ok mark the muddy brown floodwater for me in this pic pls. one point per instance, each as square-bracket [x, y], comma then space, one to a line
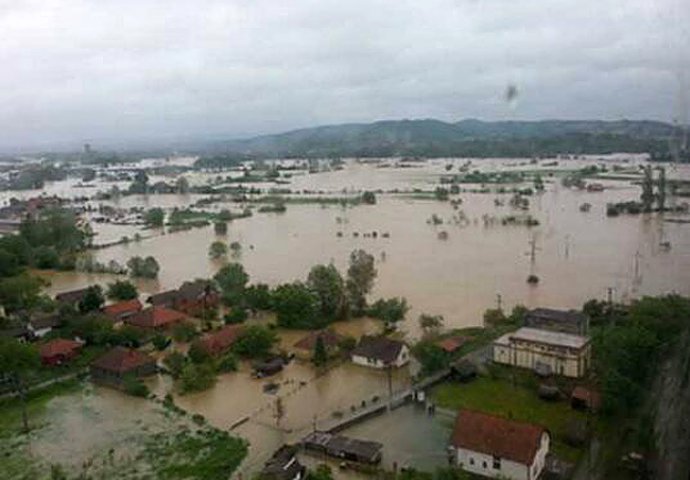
[577, 256]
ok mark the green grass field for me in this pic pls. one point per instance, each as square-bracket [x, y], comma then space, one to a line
[500, 397]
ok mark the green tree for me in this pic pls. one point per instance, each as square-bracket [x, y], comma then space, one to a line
[143, 267]
[175, 362]
[154, 217]
[221, 228]
[45, 257]
[236, 315]
[93, 328]
[227, 363]
[258, 297]
[182, 185]
[217, 250]
[360, 280]
[518, 314]
[135, 387]
[9, 264]
[93, 299]
[431, 357]
[232, 280]
[320, 356]
[430, 323]
[16, 360]
[197, 377]
[321, 472]
[494, 317]
[297, 306]
[21, 292]
[184, 332]
[122, 290]
[255, 341]
[328, 285]
[198, 354]
[369, 198]
[390, 310]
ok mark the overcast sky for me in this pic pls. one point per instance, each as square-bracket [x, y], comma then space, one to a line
[103, 71]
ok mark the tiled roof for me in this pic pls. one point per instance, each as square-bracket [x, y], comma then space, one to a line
[58, 346]
[125, 306]
[163, 298]
[492, 435]
[122, 360]
[219, 341]
[330, 340]
[451, 344]
[154, 317]
[73, 296]
[379, 348]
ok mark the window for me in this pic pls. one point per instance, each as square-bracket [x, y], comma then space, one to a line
[497, 463]
[483, 464]
[471, 461]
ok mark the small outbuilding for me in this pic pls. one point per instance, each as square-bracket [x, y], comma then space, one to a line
[283, 465]
[268, 367]
[584, 398]
[452, 344]
[42, 324]
[345, 448]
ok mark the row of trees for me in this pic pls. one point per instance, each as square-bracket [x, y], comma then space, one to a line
[324, 297]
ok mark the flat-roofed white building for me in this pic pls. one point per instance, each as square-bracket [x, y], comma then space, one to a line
[544, 351]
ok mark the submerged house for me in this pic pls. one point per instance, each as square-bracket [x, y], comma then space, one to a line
[119, 363]
[304, 348]
[120, 311]
[155, 318]
[283, 465]
[565, 321]
[58, 351]
[192, 298]
[72, 297]
[544, 351]
[42, 324]
[218, 342]
[345, 448]
[380, 352]
[497, 447]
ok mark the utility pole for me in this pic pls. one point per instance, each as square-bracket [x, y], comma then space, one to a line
[567, 246]
[498, 301]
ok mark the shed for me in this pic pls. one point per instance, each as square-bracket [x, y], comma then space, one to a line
[452, 344]
[268, 367]
[283, 465]
[71, 297]
[585, 398]
[338, 446]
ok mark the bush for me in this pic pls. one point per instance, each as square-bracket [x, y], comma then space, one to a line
[175, 362]
[196, 378]
[143, 267]
[197, 354]
[160, 342]
[236, 315]
[255, 341]
[122, 290]
[227, 363]
[184, 332]
[135, 387]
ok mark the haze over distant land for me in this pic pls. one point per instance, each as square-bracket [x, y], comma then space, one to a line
[149, 73]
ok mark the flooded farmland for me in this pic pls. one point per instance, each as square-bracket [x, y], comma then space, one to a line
[578, 255]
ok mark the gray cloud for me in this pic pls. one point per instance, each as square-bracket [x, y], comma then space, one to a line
[117, 70]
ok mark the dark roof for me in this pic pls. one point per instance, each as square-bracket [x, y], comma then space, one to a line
[379, 348]
[73, 296]
[155, 317]
[196, 289]
[562, 316]
[45, 320]
[492, 435]
[15, 332]
[329, 337]
[283, 465]
[163, 298]
[338, 445]
[122, 360]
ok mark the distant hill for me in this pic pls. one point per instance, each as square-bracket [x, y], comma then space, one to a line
[476, 138]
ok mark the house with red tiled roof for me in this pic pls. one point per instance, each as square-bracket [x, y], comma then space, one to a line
[120, 362]
[58, 351]
[120, 311]
[497, 447]
[155, 318]
[218, 342]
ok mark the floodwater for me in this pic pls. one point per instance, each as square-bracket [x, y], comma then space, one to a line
[577, 256]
